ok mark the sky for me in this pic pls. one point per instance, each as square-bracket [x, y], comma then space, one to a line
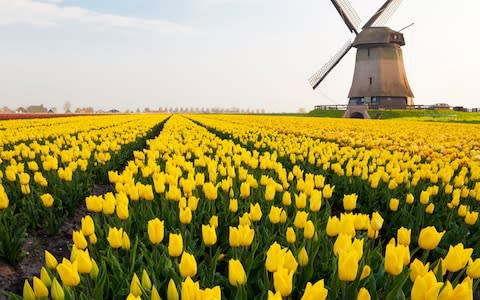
[255, 54]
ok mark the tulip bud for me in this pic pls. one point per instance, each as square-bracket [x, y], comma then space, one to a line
[236, 273]
[172, 293]
[403, 236]
[303, 257]
[188, 265]
[57, 290]
[290, 235]
[156, 231]
[363, 294]
[209, 235]
[175, 244]
[39, 288]
[50, 260]
[146, 282]
[28, 293]
[393, 204]
[88, 226]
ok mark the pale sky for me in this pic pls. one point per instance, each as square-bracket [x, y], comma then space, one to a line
[253, 54]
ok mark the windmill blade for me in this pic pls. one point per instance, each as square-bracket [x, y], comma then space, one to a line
[348, 14]
[323, 72]
[384, 13]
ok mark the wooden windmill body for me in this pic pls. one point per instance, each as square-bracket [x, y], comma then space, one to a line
[379, 79]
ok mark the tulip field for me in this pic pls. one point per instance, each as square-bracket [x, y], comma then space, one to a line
[244, 207]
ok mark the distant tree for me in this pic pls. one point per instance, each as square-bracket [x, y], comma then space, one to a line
[146, 109]
[67, 106]
[302, 110]
[137, 110]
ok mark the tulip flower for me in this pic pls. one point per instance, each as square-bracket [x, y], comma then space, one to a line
[327, 191]
[68, 273]
[50, 260]
[244, 190]
[363, 294]
[290, 235]
[28, 293]
[429, 238]
[146, 282]
[348, 265]
[56, 290]
[457, 258]
[236, 273]
[303, 257]
[135, 286]
[309, 230]
[300, 220]
[209, 235]
[269, 192]
[115, 237]
[47, 200]
[403, 236]
[246, 235]
[272, 296]
[286, 199]
[316, 291]
[350, 202]
[175, 244]
[210, 191]
[83, 261]
[172, 292]
[409, 199]
[301, 201]
[274, 215]
[79, 240]
[333, 226]
[88, 226]
[471, 218]
[425, 287]
[365, 272]
[188, 265]
[156, 231]
[233, 205]
[283, 281]
[393, 259]
[125, 241]
[39, 288]
[393, 204]
[376, 221]
[473, 269]
[255, 212]
[185, 215]
[45, 277]
[417, 268]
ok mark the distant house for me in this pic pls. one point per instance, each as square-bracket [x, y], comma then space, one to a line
[114, 111]
[20, 110]
[6, 110]
[37, 109]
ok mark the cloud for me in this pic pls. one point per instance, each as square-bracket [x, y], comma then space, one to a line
[51, 14]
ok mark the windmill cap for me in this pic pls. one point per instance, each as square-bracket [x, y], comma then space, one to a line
[378, 36]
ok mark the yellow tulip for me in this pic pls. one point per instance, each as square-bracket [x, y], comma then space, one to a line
[155, 295]
[28, 293]
[316, 291]
[363, 294]
[47, 200]
[348, 265]
[146, 282]
[393, 259]
[300, 219]
[283, 281]
[425, 287]
[156, 231]
[333, 226]
[350, 202]
[269, 192]
[290, 235]
[471, 218]
[255, 212]
[429, 238]
[236, 273]
[210, 191]
[83, 261]
[45, 277]
[233, 205]
[125, 241]
[376, 221]
[50, 260]
[172, 292]
[457, 258]
[79, 240]
[246, 235]
[393, 204]
[429, 209]
[327, 191]
[39, 288]
[365, 272]
[188, 265]
[135, 286]
[403, 236]
[115, 237]
[301, 201]
[175, 244]
[303, 257]
[88, 226]
[272, 296]
[417, 268]
[309, 230]
[209, 235]
[274, 215]
[213, 221]
[68, 273]
[473, 269]
[287, 199]
[56, 290]
[185, 215]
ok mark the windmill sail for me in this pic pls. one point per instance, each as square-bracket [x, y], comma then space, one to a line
[323, 72]
[383, 14]
[348, 14]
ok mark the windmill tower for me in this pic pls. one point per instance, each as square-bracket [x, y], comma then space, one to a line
[379, 79]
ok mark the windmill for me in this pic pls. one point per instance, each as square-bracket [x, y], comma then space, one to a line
[379, 79]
